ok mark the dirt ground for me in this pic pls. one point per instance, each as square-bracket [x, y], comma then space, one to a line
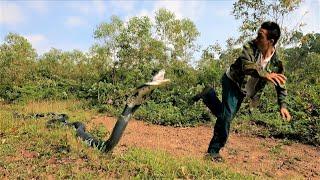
[259, 156]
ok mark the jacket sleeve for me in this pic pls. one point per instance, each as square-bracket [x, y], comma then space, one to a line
[281, 89]
[248, 63]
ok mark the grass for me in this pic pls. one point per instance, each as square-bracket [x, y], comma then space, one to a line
[28, 149]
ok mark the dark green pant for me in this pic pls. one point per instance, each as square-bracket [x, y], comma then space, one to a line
[231, 100]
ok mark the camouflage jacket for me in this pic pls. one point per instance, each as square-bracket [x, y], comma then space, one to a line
[245, 66]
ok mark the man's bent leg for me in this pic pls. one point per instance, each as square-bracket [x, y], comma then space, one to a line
[211, 100]
[231, 101]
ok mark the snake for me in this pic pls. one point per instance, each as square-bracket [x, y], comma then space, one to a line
[133, 102]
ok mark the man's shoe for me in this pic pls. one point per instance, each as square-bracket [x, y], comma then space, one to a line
[215, 157]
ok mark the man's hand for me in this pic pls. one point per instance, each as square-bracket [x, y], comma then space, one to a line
[275, 78]
[285, 114]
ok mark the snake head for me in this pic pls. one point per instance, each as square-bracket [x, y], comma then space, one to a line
[158, 79]
[144, 91]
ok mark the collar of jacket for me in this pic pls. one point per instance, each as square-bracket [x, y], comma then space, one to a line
[273, 61]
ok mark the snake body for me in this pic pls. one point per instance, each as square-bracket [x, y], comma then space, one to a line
[139, 96]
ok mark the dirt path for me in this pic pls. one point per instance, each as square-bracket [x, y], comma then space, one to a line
[259, 156]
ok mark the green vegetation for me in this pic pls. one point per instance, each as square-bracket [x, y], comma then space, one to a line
[28, 149]
[127, 54]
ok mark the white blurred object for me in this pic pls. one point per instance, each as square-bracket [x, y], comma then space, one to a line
[159, 75]
[158, 79]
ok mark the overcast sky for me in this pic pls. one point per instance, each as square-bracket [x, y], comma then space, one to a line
[68, 25]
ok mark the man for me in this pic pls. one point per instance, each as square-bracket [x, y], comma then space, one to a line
[247, 76]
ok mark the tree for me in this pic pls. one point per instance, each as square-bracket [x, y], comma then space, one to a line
[301, 58]
[108, 33]
[182, 34]
[17, 58]
[134, 42]
[129, 44]
[253, 12]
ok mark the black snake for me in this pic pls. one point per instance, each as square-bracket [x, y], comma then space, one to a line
[139, 96]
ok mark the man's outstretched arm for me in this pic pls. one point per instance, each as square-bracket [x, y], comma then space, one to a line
[279, 80]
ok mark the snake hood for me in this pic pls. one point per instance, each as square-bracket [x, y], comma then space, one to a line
[158, 79]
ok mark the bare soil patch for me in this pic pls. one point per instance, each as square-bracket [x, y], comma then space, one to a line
[243, 153]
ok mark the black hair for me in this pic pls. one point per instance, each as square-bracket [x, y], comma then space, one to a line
[273, 30]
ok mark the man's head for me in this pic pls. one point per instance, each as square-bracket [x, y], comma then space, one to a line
[268, 34]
